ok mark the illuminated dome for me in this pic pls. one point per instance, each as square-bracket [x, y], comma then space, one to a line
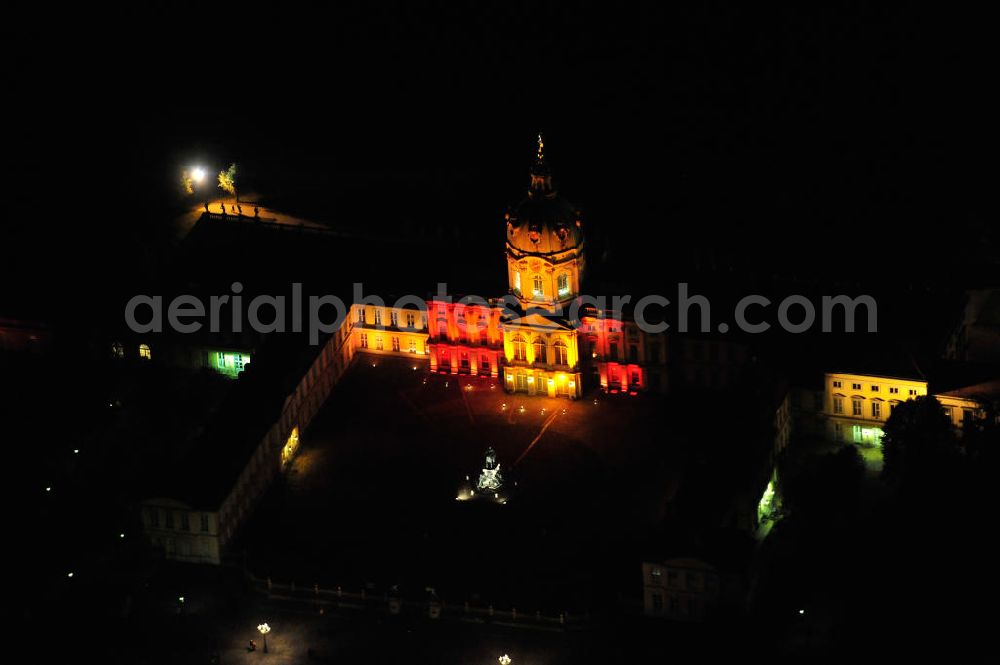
[544, 222]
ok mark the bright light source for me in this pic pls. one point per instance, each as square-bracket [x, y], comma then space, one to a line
[121, 535]
[180, 599]
[48, 489]
[264, 629]
[505, 659]
[76, 451]
[802, 611]
[198, 174]
[69, 575]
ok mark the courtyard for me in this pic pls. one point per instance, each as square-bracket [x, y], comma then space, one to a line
[371, 500]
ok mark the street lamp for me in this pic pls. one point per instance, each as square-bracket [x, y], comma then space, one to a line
[198, 174]
[264, 630]
[504, 659]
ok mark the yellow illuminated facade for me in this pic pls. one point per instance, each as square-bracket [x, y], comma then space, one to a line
[291, 447]
[531, 347]
[856, 406]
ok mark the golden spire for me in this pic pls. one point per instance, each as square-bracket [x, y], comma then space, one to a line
[541, 147]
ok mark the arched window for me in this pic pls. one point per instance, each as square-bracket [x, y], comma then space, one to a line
[117, 350]
[145, 352]
[540, 355]
[563, 284]
[520, 348]
[538, 287]
[560, 351]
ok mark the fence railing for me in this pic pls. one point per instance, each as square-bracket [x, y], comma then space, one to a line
[432, 607]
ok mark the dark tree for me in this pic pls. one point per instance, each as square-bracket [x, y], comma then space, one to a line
[919, 443]
[825, 486]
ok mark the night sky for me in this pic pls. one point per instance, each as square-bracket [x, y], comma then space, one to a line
[854, 137]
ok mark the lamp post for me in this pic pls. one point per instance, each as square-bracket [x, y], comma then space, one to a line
[264, 630]
[198, 178]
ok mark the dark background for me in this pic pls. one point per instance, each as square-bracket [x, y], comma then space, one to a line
[850, 148]
[850, 142]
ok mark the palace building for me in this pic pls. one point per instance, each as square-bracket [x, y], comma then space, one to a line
[858, 405]
[526, 341]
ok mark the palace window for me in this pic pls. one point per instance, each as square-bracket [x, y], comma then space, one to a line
[947, 412]
[413, 345]
[876, 409]
[117, 350]
[145, 352]
[540, 354]
[837, 384]
[361, 314]
[635, 378]
[838, 404]
[893, 391]
[364, 340]
[563, 284]
[874, 389]
[856, 407]
[394, 318]
[537, 288]
[395, 344]
[204, 522]
[463, 360]
[520, 348]
[913, 392]
[378, 317]
[560, 352]
[168, 519]
[484, 363]
[484, 336]
[613, 351]
[855, 386]
[185, 522]
[410, 321]
[378, 342]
